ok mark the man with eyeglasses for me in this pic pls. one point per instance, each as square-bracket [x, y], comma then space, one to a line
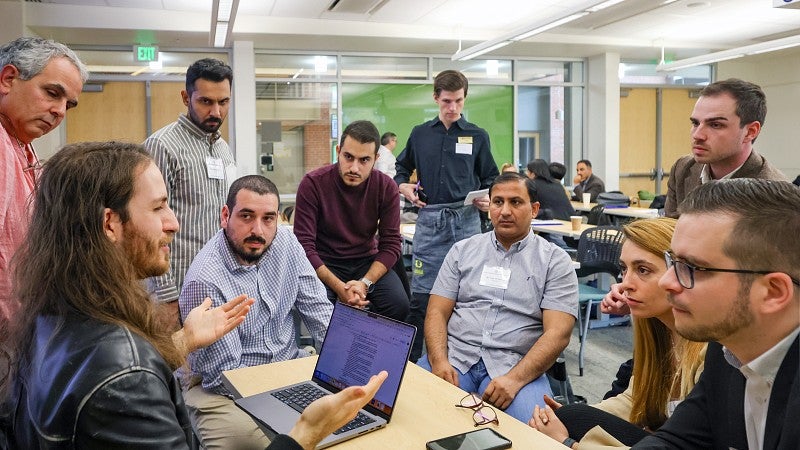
[734, 280]
[503, 306]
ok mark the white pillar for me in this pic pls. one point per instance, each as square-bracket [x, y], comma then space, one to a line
[603, 118]
[244, 142]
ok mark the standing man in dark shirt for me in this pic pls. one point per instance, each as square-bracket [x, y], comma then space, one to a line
[452, 157]
[339, 209]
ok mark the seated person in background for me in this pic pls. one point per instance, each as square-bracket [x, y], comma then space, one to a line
[586, 181]
[666, 366]
[549, 192]
[93, 365]
[340, 207]
[250, 255]
[503, 306]
[558, 171]
[508, 167]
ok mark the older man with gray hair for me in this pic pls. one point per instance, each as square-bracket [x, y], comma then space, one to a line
[39, 81]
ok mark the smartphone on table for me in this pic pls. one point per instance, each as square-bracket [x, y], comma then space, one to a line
[483, 439]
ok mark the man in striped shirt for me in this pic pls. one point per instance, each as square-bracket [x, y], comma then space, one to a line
[198, 167]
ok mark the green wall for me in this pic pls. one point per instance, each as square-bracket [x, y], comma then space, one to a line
[400, 107]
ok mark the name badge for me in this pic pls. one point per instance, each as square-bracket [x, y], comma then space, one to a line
[496, 277]
[215, 168]
[464, 149]
[465, 139]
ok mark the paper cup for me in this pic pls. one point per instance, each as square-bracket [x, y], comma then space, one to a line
[576, 222]
[587, 198]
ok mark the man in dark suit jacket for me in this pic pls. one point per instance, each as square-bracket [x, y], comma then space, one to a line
[746, 299]
[586, 182]
[726, 121]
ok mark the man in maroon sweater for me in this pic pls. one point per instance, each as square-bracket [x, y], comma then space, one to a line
[339, 209]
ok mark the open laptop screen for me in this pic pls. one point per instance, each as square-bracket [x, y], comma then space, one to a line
[350, 355]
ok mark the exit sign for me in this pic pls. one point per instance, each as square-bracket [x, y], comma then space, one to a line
[145, 52]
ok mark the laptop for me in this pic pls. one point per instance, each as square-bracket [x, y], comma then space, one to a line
[357, 345]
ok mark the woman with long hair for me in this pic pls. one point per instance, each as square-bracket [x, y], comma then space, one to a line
[666, 366]
[553, 204]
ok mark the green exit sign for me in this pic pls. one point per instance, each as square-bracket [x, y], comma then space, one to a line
[145, 52]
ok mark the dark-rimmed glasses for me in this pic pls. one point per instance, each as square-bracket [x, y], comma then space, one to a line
[481, 413]
[684, 271]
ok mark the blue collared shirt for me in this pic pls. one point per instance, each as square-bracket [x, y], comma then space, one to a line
[501, 325]
[281, 280]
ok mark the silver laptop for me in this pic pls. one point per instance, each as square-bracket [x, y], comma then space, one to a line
[358, 344]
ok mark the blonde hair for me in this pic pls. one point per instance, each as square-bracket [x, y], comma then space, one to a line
[661, 367]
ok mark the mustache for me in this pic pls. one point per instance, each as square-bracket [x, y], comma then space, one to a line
[256, 239]
[357, 175]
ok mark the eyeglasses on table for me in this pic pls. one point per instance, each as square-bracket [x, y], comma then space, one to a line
[482, 413]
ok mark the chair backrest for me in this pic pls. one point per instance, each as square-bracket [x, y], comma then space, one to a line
[597, 216]
[598, 251]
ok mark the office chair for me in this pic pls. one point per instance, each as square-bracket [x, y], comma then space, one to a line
[598, 252]
[597, 216]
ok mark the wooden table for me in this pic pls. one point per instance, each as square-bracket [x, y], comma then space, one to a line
[630, 211]
[425, 408]
[562, 228]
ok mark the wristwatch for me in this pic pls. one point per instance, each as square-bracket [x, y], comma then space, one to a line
[568, 442]
[369, 283]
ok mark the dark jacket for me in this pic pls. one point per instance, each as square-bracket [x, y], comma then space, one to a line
[712, 416]
[552, 200]
[685, 177]
[593, 185]
[90, 384]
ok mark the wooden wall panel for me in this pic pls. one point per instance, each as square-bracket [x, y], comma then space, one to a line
[117, 113]
[676, 138]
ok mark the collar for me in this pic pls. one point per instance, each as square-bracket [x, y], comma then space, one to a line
[705, 174]
[767, 364]
[461, 122]
[515, 247]
[192, 128]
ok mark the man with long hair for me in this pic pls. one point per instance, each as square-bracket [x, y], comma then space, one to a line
[92, 366]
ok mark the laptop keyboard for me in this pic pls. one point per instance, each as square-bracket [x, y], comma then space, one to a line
[298, 397]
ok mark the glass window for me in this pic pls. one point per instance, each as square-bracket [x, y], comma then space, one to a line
[295, 66]
[297, 127]
[550, 71]
[645, 73]
[387, 68]
[496, 70]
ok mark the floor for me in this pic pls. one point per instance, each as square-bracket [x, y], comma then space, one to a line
[605, 349]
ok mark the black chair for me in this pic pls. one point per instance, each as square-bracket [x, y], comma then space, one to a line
[597, 216]
[598, 252]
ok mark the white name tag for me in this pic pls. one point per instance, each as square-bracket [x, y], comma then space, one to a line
[464, 149]
[496, 277]
[215, 168]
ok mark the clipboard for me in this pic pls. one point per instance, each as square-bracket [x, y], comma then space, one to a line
[475, 194]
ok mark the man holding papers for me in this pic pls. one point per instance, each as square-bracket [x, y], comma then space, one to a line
[452, 157]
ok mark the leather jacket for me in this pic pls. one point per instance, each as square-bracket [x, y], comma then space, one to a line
[91, 384]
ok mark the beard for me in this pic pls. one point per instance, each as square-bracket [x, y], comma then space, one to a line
[145, 254]
[210, 125]
[738, 317]
[247, 255]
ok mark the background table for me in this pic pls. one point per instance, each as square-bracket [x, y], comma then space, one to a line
[425, 408]
[563, 228]
[630, 211]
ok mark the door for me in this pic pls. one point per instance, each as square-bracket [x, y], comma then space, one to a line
[654, 132]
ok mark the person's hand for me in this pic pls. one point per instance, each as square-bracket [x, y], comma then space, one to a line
[325, 415]
[353, 293]
[577, 179]
[446, 372]
[408, 190]
[501, 391]
[205, 325]
[614, 302]
[482, 203]
[551, 403]
[545, 421]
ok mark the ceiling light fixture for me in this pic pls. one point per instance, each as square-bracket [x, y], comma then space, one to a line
[223, 14]
[530, 30]
[724, 55]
